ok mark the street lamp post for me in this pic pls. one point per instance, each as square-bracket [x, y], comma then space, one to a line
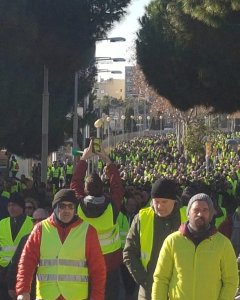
[132, 118]
[45, 113]
[108, 119]
[140, 124]
[115, 130]
[98, 124]
[148, 120]
[160, 119]
[123, 125]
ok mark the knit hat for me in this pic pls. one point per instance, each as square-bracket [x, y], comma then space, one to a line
[18, 199]
[164, 188]
[201, 197]
[64, 195]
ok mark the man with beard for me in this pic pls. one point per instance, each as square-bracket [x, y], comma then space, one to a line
[196, 262]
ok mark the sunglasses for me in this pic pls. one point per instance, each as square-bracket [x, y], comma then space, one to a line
[65, 206]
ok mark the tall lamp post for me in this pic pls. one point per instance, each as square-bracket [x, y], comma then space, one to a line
[108, 119]
[115, 130]
[160, 119]
[45, 113]
[148, 120]
[140, 124]
[98, 124]
[132, 118]
[123, 125]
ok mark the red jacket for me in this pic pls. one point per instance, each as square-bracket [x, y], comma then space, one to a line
[226, 227]
[113, 260]
[31, 255]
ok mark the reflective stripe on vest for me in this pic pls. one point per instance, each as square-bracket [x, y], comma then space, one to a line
[8, 246]
[62, 267]
[108, 233]
[51, 277]
[146, 218]
[63, 262]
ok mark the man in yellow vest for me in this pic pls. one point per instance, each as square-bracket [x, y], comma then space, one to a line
[148, 230]
[68, 172]
[196, 262]
[14, 167]
[12, 229]
[101, 211]
[67, 254]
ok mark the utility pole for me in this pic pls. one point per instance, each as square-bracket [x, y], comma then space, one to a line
[45, 113]
[75, 116]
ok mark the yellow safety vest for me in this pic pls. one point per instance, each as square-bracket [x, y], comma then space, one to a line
[108, 232]
[62, 267]
[55, 172]
[183, 214]
[146, 218]
[123, 227]
[69, 170]
[7, 245]
[219, 220]
[14, 166]
[6, 194]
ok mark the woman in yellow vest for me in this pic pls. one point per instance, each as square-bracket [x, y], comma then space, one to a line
[67, 254]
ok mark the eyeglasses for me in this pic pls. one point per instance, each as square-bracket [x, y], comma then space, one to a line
[65, 206]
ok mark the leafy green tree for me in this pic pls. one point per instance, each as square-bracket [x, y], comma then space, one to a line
[189, 52]
[61, 35]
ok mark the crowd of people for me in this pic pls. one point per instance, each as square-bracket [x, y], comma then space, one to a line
[146, 225]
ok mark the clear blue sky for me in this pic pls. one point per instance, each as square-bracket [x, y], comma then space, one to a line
[126, 28]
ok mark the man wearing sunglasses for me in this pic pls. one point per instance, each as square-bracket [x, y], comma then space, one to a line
[67, 254]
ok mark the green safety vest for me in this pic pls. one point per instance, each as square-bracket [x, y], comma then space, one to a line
[123, 227]
[62, 267]
[6, 194]
[183, 214]
[7, 245]
[108, 232]
[219, 220]
[61, 173]
[55, 172]
[69, 170]
[146, 218]
[14, 166]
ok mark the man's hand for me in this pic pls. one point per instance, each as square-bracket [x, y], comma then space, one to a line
[24, 296]
[87, 153]
[104, 156]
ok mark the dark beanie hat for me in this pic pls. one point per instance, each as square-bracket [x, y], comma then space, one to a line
[18, 199]
[201, 197]
[164, 188]
[64, 195]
